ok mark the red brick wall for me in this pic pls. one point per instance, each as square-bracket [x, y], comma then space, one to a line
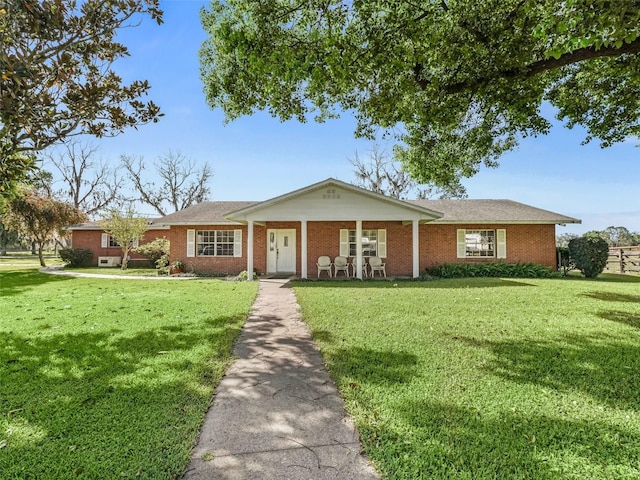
[438, 244]
[525, 243]
[92, 240]
[324, 239]
[217, 265]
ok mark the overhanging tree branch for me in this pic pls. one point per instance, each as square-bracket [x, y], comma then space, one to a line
[425, 67]
[536, 68]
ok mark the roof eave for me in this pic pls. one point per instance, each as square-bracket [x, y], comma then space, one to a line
[508, 222]
[98, 228]
[203, 222]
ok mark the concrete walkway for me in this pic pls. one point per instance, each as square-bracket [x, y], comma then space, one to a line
[57, 270]
[277, 414]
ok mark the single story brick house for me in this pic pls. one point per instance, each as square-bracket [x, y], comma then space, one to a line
[287, 234]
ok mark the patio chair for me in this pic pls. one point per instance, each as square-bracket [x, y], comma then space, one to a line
[376, 265]
[324, 264]
[365, 268]
[341, 264]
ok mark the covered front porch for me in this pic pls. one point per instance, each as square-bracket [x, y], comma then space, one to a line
[331, 218]
[295, 247]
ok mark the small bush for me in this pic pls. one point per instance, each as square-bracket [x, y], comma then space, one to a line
[243, 276]
[565, 262]
[494, 269]
[162, 263]
[76, 257]
[590, 254]
[155, 251]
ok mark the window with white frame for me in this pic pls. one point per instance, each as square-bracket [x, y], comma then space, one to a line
[109, 242]
[374, 243]
[215, 243]
[369, 243]
[483, 243]
[480, 243]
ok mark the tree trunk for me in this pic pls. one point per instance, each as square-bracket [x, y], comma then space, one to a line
[33, 247]
[125, 253]
[3, 240]
[41, 256]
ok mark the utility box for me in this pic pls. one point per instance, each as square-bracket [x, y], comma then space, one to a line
[109, 261]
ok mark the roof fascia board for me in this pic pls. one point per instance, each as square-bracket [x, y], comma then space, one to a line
[507, 222]
[203, 222]
[97, 228]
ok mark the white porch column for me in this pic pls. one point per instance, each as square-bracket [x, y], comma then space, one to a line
[250, 250]
[359, 249]
[416, 250]
[303, 248]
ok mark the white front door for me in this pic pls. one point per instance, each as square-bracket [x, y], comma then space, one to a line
[281, 251]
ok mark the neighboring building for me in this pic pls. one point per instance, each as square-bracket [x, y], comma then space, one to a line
[287, 234]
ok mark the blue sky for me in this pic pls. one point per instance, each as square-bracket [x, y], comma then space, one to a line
[259, 157]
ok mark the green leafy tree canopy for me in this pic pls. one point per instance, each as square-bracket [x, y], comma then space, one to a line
[459, 82]
[56, 76]
[126, 228]
[618, 236]
[40, 217]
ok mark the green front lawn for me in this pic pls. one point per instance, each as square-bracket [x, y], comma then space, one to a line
[116, 271]
[105, 378]
[26, 258]
[487, 378]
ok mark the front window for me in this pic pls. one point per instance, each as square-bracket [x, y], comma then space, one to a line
[113, 242]
[480, 243]
[369, 243]
[215, 243]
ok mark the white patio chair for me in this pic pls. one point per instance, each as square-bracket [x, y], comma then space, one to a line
[376, 265]
[365, 268]
[341, 264]
[324, 264]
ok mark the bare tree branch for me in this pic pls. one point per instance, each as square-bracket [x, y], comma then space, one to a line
[182, 182]
[90, 186]
[134, 167]
[381, 174]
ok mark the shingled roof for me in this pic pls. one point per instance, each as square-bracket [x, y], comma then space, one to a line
[454, 211]
[491, 211]
[90, 225]
[205, 213]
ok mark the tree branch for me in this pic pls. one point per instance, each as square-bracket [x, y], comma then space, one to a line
[536, 68]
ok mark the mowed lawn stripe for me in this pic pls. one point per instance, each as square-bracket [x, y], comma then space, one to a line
[105, 378]
[487, 378]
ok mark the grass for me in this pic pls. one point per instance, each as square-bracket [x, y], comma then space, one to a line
[487, 378]
[117, 271]
[109, 379]
[24, 258]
